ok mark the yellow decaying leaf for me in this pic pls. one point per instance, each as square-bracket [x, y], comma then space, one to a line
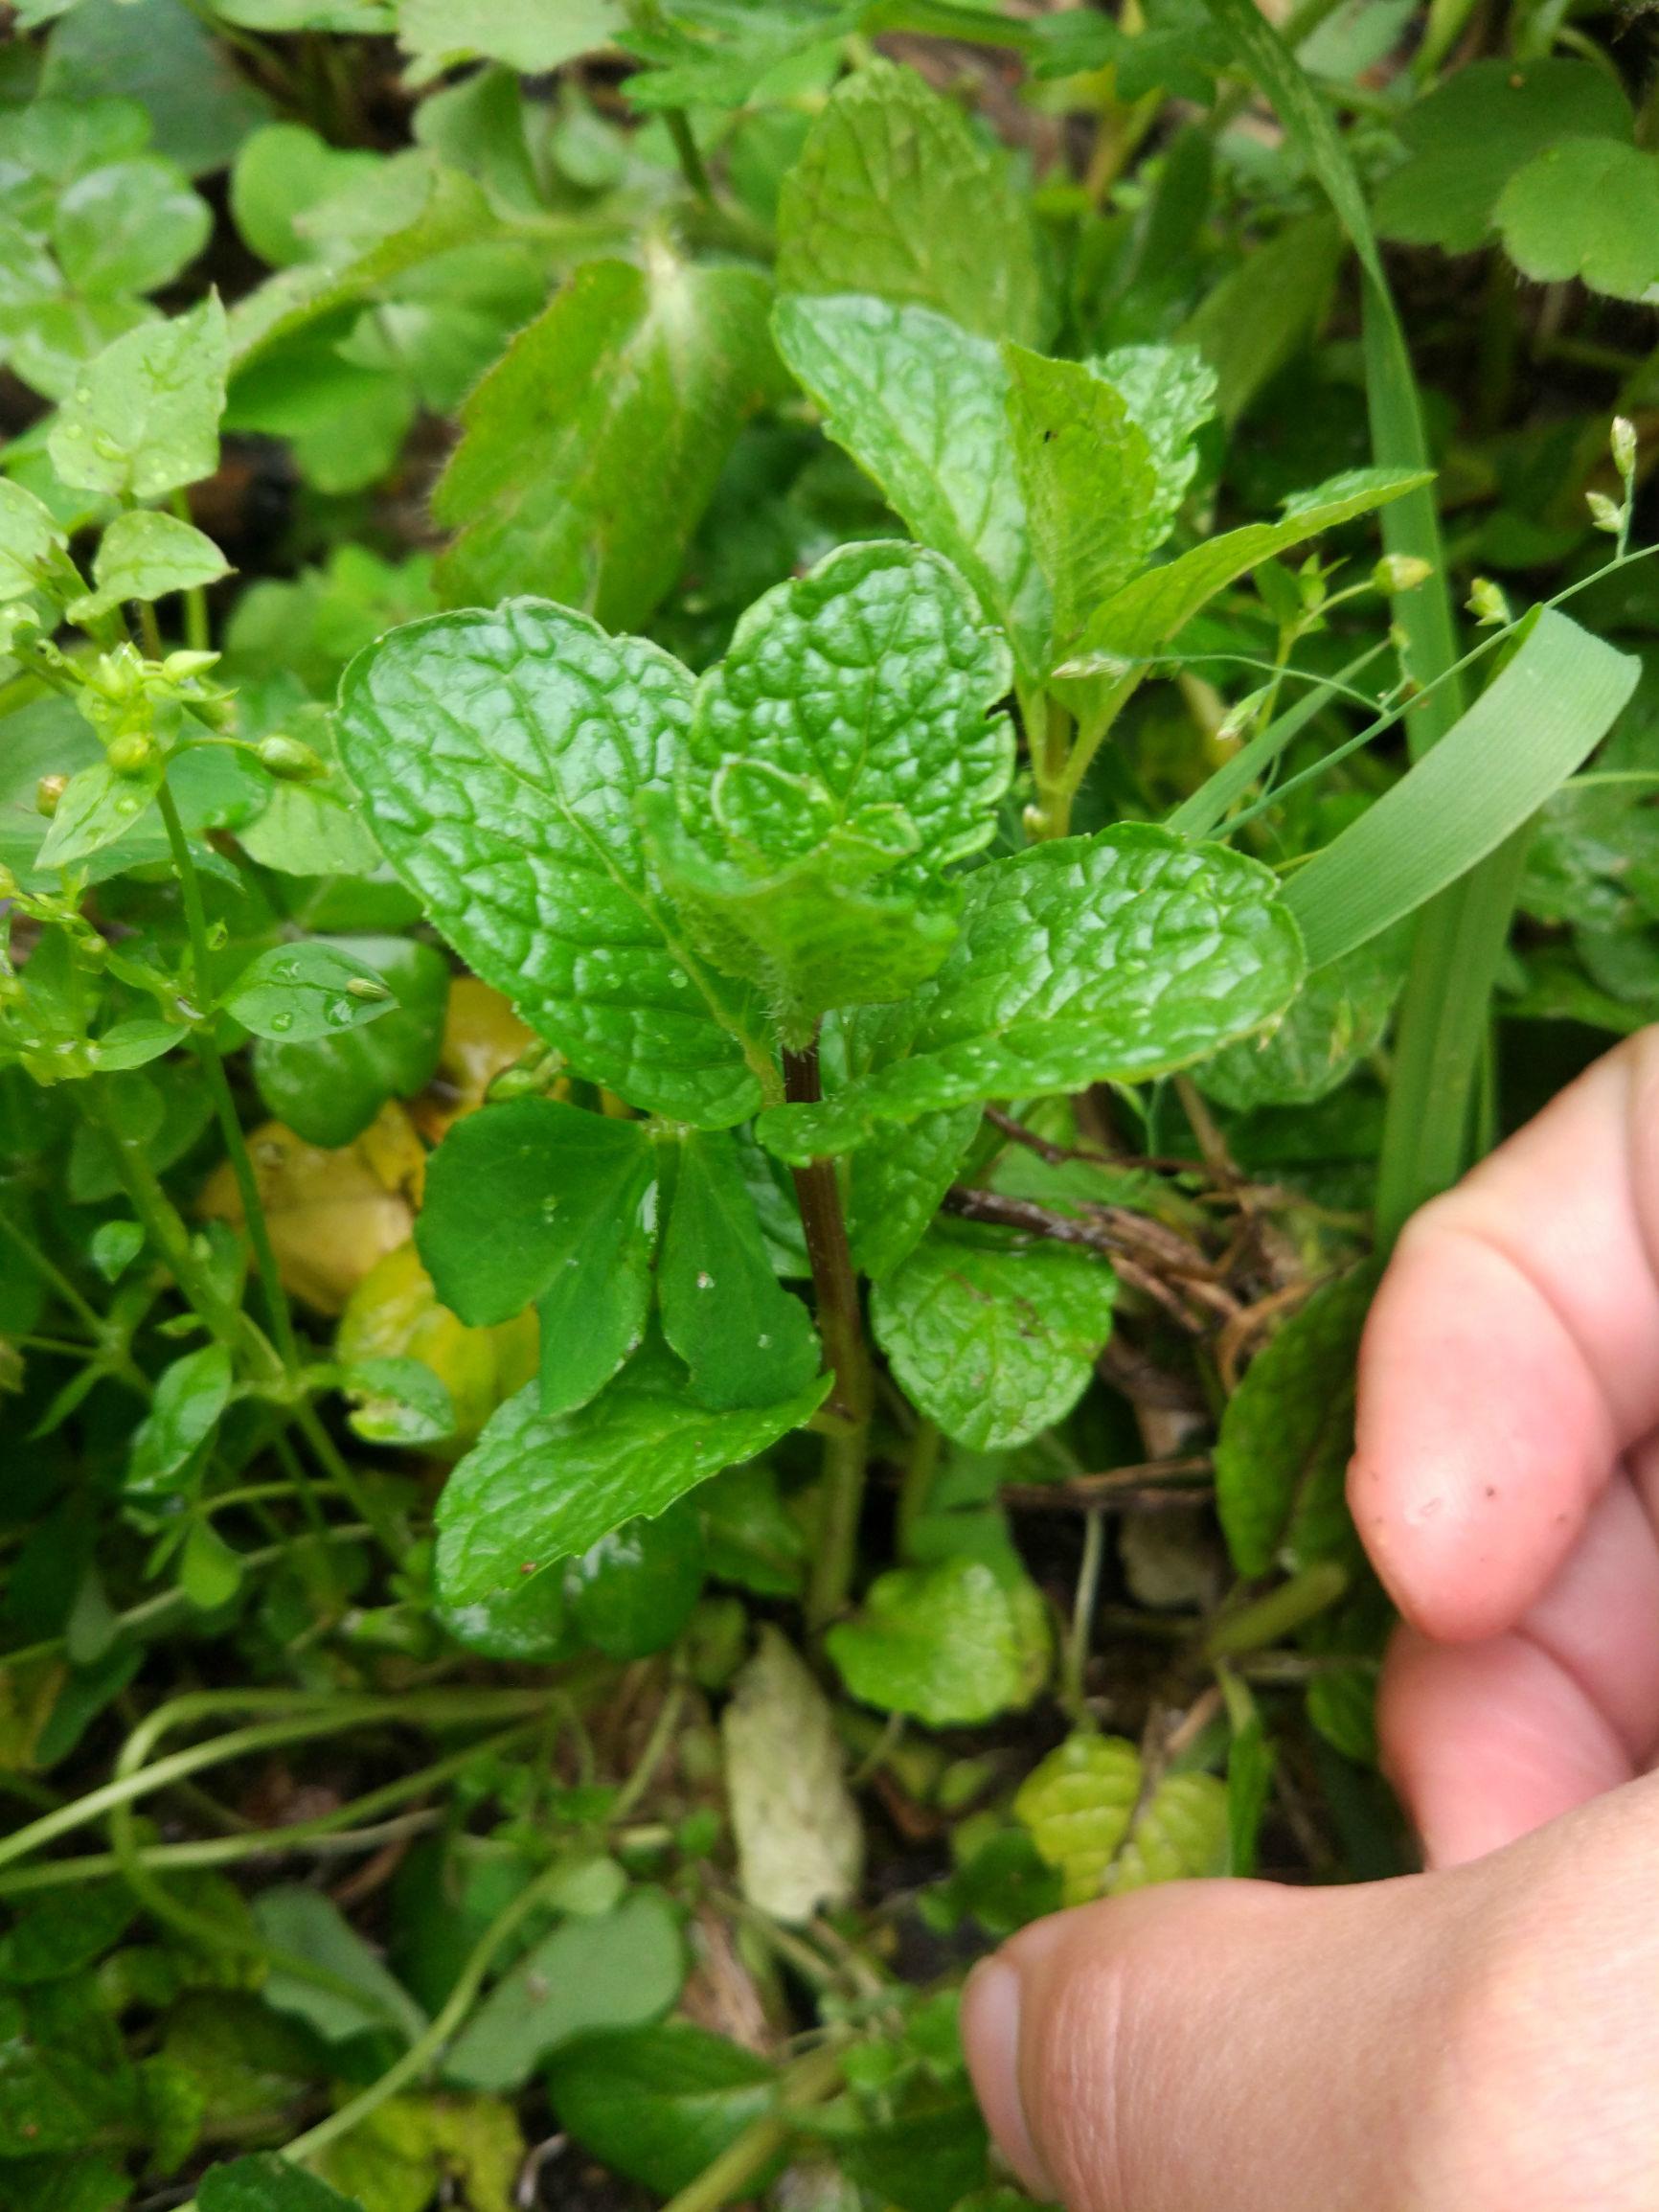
[482, 1035]
[394, 1313]
[333, 1214]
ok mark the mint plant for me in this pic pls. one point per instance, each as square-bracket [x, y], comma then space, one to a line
[752, 841]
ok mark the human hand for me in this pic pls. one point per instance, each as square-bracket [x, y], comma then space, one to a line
[1485, 2035]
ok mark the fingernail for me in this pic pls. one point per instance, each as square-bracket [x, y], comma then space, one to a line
[990, 2006]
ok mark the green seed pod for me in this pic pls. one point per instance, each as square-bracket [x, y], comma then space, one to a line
[1398, 572]
[290, 760]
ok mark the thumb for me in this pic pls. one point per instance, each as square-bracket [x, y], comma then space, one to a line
[1217, 2047]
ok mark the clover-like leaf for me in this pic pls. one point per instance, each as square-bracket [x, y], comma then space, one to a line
[896, 193]
[993, 1341]
[534, 1201]
[535, 1490]
[949, 1645]
[921, 404]
[1480, 125]
[128, 226]
[501, 758]
[1114, 957]
[142, 419]
[746, 1340]
[1585, 207]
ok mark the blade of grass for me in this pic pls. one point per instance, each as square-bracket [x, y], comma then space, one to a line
[1460, 937]
[1466, 799]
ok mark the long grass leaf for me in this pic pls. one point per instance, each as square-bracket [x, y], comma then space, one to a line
[1537, 723]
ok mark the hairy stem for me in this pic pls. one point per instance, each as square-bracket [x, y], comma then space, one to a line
[835, 1282]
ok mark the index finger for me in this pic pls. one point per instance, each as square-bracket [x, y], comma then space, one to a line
[1511, 1353]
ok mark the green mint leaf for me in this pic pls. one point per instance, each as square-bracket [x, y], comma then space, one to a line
[871, 682]
[898, 1181]
[1287, 1435]
[1469, 136]
[839, 755]
[98, 806]
[660, 2104]
[920, 406]
[129, 227]
[1134, 623]
[593, 447]
[30, 534]
[746, 1340]
[329, 1088]
[1170, 391]
[948, 1644]
[1585, 207]
[265, 2182]
[535, 1201]
[1335, 1020]
[189, 1399]
[501, 758]
[1107, 958]
[143, 419]
[608, 1969]
[534, 1490]
[144, 556]
[1087, 470]
[993, 1341]
[896, 193]
[295, 993]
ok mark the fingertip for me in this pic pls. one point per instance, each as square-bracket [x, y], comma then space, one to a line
[991, 2004]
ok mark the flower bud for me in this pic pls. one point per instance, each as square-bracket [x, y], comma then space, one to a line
[1487, 603]
[178, 666]
[1605, 512]
[47, 793]
[290, 760]
[131, 753]
[1397, 572]
[1622, 442]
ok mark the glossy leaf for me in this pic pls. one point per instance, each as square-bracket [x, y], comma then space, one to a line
[536, 1490]
[920, 406]
[144, 556]
[616, 1970]
[128, 226]
[1338, 1016]
[632, 1592]
[190, 1397]
[1135, 622]
[949, 1645]
[534, 1202]
[898, 1181]
[746, 1340]
[143, 419]
[329, 1088]
[1113, 957]
[1287, 1434]
[265, 2182]
[1091, 492]
[896, 193]
[591, 449]
[501, 758]
[995, 1342]
[99, 805]
[298, 993]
